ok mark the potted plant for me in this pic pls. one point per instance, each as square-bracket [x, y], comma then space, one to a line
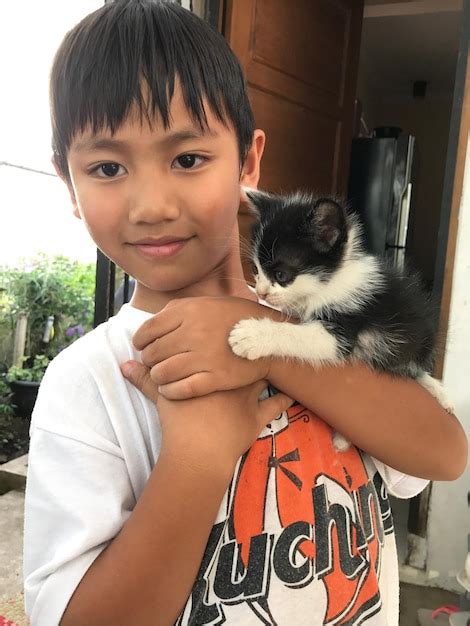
[14, 431]
[24, 383]
[56, 296]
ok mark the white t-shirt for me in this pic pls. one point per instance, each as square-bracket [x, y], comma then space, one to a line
[304, 535]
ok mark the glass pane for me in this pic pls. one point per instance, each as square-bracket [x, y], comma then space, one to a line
[209, 10]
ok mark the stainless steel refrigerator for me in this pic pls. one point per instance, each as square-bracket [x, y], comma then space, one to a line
[381, 190]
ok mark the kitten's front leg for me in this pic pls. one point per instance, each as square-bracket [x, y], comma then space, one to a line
[311, 341]
[436, 388]
[256, 338]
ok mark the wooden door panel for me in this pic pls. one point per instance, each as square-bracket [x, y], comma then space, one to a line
[297, 141]
[300, 59]
[283, 41]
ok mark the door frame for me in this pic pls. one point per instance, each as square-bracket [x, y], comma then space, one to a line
[459, 133]
[453, 185]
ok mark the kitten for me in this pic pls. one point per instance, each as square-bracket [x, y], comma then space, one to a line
[311, 263]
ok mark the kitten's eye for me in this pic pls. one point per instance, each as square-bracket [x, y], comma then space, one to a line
[281, 277]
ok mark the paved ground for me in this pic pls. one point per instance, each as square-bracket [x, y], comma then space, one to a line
[11, 544]
[412, 597]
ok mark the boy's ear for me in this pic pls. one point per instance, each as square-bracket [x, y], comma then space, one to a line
[258, 202]
[251, 168]
[61, 175]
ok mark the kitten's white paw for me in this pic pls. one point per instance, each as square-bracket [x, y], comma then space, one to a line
[447, 404]
[436, 388]
[340, 443]
[251, 339]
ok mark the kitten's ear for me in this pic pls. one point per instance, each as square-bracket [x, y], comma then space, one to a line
[327, 224]
[257, 201]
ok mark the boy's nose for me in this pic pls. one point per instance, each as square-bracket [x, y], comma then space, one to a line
[150, 203]
[152, 212]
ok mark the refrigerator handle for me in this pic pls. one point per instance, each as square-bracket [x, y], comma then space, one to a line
[402, 230]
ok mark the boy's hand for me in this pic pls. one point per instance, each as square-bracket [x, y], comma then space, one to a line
[186, 346]
[212, 431]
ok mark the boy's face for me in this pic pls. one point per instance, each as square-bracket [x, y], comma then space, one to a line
[177, 183]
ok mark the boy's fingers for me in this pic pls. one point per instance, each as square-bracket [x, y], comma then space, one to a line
[259, 386]
[157, 326]
[139, 376]
[195, 386]
[270, 408]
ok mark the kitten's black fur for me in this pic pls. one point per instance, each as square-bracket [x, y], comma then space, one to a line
[303, 234]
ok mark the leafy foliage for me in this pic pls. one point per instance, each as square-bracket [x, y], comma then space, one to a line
[6, 409]
[34, 373]
[47, 286]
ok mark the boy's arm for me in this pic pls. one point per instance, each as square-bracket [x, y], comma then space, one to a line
[145, 575]
[393, 419]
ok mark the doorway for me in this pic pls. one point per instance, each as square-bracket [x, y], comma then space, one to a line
[407, 79]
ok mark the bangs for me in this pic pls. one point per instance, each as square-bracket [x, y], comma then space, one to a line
[130, 54]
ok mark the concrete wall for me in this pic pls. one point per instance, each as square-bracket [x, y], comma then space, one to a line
[449, 515]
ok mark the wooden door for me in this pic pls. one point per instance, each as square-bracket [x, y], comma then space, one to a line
[300, 58]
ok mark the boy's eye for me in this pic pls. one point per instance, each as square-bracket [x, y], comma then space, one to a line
[187, 161]
[106, 170]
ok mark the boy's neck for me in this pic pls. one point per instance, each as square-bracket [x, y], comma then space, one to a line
[215, 286]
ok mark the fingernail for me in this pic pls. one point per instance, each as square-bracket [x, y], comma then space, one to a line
[126, 368]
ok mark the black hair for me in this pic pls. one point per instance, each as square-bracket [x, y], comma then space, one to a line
[99, 69]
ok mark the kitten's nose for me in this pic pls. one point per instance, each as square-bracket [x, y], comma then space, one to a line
[262, 294]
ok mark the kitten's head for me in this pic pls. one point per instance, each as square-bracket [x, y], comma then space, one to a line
[299, 243]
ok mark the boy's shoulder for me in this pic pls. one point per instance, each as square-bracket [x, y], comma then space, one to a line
[85, 376]
[74, 367]
[86, 347]
[83, 389]
[102, 349]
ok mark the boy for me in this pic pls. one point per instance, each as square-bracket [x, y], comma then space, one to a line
[178, 494]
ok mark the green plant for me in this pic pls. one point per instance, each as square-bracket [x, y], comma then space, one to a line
[34, 373]
[6, 410]
[49, 286]
[5, 391]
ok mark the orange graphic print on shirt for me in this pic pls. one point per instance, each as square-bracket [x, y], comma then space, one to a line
[300, 518]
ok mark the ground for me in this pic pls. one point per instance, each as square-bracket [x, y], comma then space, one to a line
[14, 437]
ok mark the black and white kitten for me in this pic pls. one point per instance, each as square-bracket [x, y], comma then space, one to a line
[311, 263]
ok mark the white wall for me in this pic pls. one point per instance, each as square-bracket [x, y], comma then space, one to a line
[449, 515]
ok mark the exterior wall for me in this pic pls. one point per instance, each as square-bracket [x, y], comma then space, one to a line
[449, 514]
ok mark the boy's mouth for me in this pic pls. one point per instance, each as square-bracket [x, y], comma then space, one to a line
[162, 247]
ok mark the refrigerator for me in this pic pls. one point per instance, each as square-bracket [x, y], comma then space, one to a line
[380, 190]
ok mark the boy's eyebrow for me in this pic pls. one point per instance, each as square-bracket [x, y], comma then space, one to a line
[171, 139]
